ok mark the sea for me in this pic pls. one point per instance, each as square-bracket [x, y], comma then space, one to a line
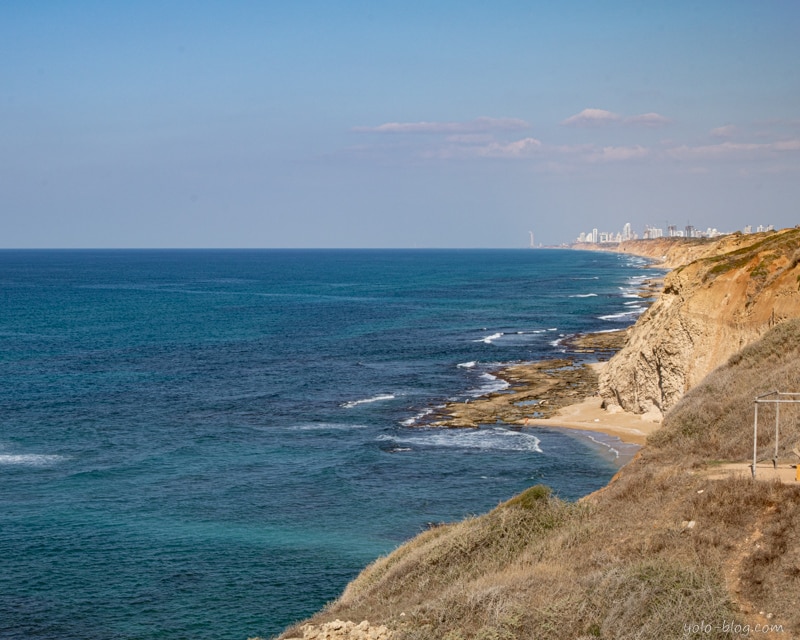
[211, 443]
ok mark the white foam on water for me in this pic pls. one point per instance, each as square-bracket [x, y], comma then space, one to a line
[617, 316]
[490, 339]
[492, 384]
[583, 295]
[467, 365]
[492, 439]
[326, 426]
[619, 450]
[381, 397]
[29, 459]
[413, 420]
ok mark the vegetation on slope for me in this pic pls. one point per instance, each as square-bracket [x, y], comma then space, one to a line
[663, 548]
[714, 421]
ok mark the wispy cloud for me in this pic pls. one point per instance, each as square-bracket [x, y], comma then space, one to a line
[472, 147]
[478, 125]
[735, 149]
[487, 139]
[601, 118]
[728, 131]
[592, 118]
[651, 119]
[618, 154]
[517, 149]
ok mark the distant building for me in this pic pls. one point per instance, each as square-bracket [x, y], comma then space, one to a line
[653, 232]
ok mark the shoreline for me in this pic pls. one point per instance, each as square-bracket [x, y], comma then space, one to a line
[561, 393]
[549, 393]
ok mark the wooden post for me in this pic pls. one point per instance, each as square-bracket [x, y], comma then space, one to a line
[755, 440]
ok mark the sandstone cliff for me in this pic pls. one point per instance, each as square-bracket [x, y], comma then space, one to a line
[740, 286]
[672, 253]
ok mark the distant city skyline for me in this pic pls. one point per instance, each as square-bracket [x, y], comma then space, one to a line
[671, 231]
[410, 124]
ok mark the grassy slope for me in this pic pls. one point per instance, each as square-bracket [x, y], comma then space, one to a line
[622, 563]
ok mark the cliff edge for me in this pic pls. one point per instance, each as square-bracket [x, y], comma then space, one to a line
[710, 308]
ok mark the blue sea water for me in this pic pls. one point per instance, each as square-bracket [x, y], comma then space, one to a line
[211, 444]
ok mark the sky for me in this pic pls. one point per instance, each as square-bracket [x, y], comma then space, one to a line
[393, 124]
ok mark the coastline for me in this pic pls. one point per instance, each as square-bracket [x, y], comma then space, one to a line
[666, 512]
[550, 393]
[589, 415]
[557, 393]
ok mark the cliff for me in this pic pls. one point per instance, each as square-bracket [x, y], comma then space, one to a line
[672, 253]
[667, 546]
[673, 542]
[729, 294]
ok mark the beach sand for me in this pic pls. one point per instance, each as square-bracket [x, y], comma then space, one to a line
[588, 415]
[553, 393]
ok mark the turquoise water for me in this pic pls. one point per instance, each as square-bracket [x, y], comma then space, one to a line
[210, 444]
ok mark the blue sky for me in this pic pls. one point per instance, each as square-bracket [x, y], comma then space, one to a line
[393, 124]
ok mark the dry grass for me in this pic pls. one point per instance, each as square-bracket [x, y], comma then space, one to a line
[661, 547]
[714, 421]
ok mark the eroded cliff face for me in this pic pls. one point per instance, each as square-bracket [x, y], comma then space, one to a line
[709, 309]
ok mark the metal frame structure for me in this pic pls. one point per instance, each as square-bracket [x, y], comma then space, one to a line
[777, 398]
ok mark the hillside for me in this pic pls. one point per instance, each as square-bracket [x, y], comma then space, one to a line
[709, 309]
[664, 547]
[676, 252]
[676, 539]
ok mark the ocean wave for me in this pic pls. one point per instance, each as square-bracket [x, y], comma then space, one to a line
[628, 292]
[489, 339]
[509, 338]
[493, 439]
[620, 450]
[583, 295]
[414, 419]
[491, 384]
[29, 459]
[467, 365]
[326, 426]
[624, 314]
[378, 398]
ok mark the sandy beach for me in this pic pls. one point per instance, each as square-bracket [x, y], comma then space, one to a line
[588, 415]
[554, 393]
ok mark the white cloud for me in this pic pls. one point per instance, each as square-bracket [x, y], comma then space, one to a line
[735, 149]
[478, 125]
[592, 118]
[617, 154]
[651, 119]
[485, 149]
[601, 117]
[723, 132]
[515, 149]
